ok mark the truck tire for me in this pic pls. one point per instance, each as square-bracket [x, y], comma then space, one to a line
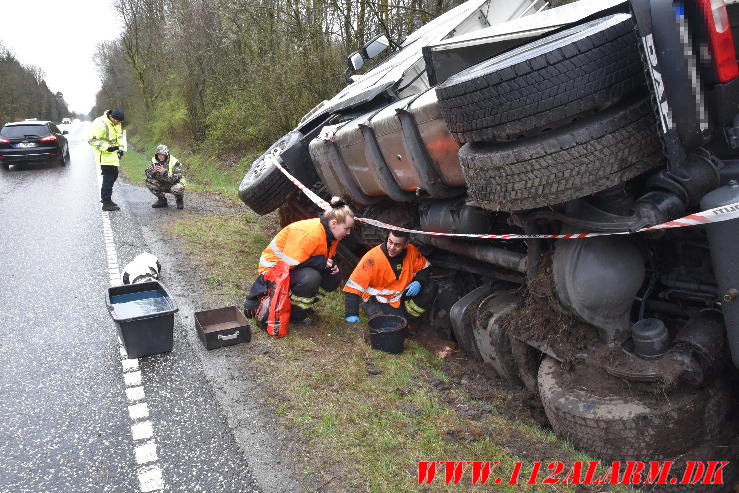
[638, 427]
[717, 451]
[264, 187]
[587, 157]
[544, 84]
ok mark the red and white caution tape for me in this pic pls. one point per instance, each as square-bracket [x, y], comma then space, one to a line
[311, 195]
[715, 215]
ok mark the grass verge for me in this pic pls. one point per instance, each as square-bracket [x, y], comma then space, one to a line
[362, 418]
[201, 172]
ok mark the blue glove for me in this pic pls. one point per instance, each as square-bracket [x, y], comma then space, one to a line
[413, 288]
[352, 318]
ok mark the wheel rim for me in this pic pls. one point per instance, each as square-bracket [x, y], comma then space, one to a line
[260, 164]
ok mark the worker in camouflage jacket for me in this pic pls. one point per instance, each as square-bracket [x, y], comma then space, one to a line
[164, 175]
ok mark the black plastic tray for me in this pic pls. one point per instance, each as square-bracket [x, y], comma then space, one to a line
[222, 327]
[144, 316]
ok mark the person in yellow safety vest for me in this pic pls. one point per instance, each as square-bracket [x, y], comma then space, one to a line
[391, 279]
[106, 138]
[164, 175]
[308, 248]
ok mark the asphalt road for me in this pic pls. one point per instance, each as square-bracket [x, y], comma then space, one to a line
[75, 414]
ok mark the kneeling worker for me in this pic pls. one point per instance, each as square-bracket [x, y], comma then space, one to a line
[164, 174]
[391, 273]
[308, 248]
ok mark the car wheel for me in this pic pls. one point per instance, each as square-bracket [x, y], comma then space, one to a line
[544, 84]
[587, 157]
[615, 422]
[264, 187]
[64, 157]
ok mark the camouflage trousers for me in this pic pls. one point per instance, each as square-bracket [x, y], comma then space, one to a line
[159, 188]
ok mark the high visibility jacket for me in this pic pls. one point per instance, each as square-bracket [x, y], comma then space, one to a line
[103, 134]
[296, 243]
[174, 170]
[374, 276]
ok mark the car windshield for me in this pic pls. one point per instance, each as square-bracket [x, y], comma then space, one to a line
[19, 131]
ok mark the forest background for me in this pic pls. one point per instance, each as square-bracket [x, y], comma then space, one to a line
[24, 93]
[226, 78]
[220, 80]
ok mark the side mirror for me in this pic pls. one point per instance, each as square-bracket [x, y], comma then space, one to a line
[355, 61]
[65, 132]
[375, 46]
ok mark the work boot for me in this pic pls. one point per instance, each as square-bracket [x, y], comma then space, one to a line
[161, 202]
[180, 202]
[109, 205]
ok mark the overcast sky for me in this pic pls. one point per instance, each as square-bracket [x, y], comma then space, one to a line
[60, 37]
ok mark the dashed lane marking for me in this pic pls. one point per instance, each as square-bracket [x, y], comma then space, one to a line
[149, 474]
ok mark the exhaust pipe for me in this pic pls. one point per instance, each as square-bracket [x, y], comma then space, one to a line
[491, 255]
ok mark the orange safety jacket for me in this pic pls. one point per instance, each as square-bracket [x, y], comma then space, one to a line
[296, 243]
[374, 276]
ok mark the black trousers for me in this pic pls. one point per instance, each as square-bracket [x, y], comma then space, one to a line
[305, 284]
[110, 175]
[423, 299]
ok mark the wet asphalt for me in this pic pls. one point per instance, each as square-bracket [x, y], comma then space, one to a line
[64, 411]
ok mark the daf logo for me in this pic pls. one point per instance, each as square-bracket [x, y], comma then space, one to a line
[659, 85]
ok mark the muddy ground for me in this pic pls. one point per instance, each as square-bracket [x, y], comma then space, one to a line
[187, 277]
[275, 450]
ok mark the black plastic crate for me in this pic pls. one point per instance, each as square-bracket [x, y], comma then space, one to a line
[144, 315]
[222, 327]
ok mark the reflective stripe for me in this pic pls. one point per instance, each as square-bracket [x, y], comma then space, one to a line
[428, 264]
[383, 299]
[302, 299]
[375, 292]
[413, 309]
[99, 143]
[281, 254]
[266, 263]
[107, 128]
[304, 303]
[354, 285]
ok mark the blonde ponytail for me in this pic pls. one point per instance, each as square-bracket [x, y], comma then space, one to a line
[339, 210]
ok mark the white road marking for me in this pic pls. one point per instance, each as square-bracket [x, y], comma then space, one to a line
[135, 393]
[138, 411]
[132, 379]
[142, 430]
[150, 477]
[146, 453]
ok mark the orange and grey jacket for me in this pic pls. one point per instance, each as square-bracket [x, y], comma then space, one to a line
[298, 242]
[375, 276]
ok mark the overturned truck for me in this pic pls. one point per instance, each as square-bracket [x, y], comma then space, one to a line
[600, 116]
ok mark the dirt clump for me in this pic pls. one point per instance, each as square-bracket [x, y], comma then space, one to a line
[540, 318]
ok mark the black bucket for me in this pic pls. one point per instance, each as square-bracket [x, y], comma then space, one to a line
[387, 333]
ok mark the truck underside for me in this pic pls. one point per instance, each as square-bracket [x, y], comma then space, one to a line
[627, 339]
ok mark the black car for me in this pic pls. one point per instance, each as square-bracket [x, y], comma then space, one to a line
[32, 140]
